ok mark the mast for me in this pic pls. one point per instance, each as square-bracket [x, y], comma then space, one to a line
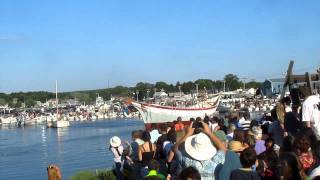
[57, 97]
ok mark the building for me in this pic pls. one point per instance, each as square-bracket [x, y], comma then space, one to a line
[272, 86]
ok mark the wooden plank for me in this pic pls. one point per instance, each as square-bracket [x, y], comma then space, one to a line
[288, 79]
[309, 83]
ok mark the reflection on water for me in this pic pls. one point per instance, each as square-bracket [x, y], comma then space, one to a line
[26, 152]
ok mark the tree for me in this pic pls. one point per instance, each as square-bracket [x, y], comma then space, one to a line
[232, 82]
[162, 85]
[204, 83]
[187, 87]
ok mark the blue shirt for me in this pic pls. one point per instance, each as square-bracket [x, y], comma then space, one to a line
[206, 168]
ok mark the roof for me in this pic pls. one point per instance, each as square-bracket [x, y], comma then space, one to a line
[276, 80]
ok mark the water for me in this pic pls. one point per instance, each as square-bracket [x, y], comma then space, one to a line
[26, 152]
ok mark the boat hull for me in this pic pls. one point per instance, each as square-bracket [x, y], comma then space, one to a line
[152, 113]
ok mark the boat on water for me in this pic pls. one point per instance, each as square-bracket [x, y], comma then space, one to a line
[156, 113]
[56, 121]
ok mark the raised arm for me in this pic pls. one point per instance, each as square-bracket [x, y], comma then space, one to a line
[220, 145]
[189, 132]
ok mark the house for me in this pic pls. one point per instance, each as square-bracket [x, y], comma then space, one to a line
[272, 86]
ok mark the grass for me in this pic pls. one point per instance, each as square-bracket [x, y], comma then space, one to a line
[91, 175]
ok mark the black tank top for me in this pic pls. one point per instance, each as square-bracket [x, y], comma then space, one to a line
[147, 156]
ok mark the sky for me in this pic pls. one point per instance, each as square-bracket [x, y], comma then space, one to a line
[86, 44]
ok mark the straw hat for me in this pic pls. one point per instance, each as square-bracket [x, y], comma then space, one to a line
[115, 141]
[236, 146]
[200, 147]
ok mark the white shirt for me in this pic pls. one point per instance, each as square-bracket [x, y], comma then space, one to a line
[311, 113]
[117, 156]
[154, 135]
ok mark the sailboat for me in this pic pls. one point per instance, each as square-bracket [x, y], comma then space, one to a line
[56, 121]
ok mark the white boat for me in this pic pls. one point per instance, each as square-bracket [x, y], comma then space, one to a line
[8, 120]
[60, 124]
[56, 121]
[153, 113]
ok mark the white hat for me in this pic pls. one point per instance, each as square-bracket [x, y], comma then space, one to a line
[200, 147]
[115, 141]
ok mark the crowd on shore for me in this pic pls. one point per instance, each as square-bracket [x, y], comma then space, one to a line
[284, 145]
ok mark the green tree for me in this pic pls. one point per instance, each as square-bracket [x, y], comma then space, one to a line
[232, 82]
[187, 87]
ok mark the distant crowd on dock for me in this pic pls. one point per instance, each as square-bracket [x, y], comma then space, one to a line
[283, 146]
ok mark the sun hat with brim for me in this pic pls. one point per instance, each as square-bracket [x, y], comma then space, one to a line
[235, 146]
[115, 141]
[200, 147]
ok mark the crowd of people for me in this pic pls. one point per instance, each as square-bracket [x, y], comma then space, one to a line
[284, 144]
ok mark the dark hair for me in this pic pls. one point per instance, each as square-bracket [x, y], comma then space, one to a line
[215, 119]
[287, 144]
[248, 157]
[206, 119]
[302, 144]
[153, 126]
[163, 127]
[151, 178]
[192, 119]
[239, 135]
[246, 116]
[198, 119]
[179, 119]
[286, 100]
[154, 165]
[146, 136]
[136, 134]
[269, 140]
[291, 168]
[189, 173]
[250, 140]
[172, 136]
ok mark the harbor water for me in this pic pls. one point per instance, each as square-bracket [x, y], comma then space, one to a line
[26, 152]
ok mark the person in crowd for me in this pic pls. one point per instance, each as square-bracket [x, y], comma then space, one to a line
[245, 121]
[214, 126]
[136, 142]
[239, 135]
[200, 151]
[232, 160]
[248, 159]
[54, 172]
[146, 152]
[231, 129]
[233, 119]
[269, 165]
[276, 129]
[291, 168]
[236, 146]
[117, 149]
[292, 124]
[311, 113]
[154, 133]
[222, 126]
[153, 168]
[250, 140]
[260, 144]
[269, 144]
[189, 173]
[286, 101]
[159, 143]
[302, 150]
[179, 126]
[315, 170]
[287, 144]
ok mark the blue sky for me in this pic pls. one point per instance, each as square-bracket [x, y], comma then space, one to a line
[84, 44]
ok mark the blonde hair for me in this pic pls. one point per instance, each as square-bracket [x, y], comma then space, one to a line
[281, 112]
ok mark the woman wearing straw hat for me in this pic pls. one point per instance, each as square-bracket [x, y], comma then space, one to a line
[200, 151]
[117, 149]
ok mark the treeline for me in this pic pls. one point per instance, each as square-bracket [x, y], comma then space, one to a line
[142, 89]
